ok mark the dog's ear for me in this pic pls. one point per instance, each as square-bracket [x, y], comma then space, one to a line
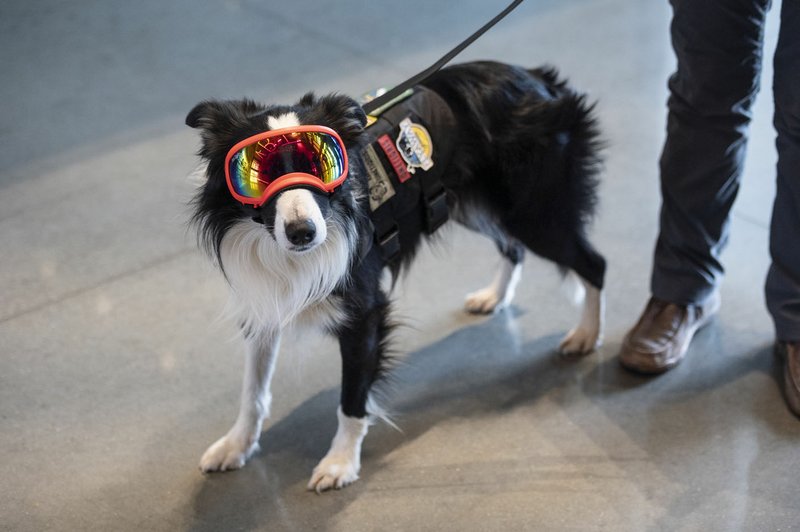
[344, 115]
[221, 114]
[203, 114]
[307, 100]
[218, 121]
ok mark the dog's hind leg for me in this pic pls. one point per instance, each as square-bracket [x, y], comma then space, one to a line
[362, 343]
[499, 293]
[579, 255]
[588, 334]
[574, 252]
[477, 216]
[232, 450]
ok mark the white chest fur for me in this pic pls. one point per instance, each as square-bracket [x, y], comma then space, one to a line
[274, 287]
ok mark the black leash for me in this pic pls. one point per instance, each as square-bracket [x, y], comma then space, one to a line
[371, 106]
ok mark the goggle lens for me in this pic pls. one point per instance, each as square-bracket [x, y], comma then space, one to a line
[255, 166]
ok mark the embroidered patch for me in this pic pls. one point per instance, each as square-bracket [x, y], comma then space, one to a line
[380, 186]
[394, 158]
[415, 145]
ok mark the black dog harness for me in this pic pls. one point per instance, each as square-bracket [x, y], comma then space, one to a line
[410, 146]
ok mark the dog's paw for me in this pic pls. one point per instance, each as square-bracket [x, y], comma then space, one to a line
[334, 471]
[226, 453]
[580, 341]
[484, 301]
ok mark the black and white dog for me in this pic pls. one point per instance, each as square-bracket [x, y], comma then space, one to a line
[523, 171]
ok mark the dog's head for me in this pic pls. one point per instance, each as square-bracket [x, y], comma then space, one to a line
[297, 219]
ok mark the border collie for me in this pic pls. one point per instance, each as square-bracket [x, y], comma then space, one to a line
[523, 171]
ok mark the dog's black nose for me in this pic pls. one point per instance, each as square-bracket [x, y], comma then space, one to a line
[301, 232]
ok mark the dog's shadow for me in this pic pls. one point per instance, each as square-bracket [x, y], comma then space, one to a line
[480, 369]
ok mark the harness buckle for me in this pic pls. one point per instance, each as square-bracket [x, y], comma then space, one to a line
[390, 243]
[436, 212]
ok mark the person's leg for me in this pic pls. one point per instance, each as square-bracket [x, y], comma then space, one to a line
[783, 280]
[718, 45]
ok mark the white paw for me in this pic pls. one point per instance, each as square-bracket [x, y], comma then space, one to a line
[334, 471]
[483, 301]
[580, 341]
[227, 453]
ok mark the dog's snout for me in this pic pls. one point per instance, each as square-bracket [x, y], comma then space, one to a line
[301, 232]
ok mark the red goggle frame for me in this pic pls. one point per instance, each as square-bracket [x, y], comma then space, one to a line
[262, 165]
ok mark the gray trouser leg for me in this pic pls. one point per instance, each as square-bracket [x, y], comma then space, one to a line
[783, 280]
[718, 44]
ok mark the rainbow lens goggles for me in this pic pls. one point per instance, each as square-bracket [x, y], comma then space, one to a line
[262, 165]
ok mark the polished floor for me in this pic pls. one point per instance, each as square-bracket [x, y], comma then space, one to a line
[116, 371]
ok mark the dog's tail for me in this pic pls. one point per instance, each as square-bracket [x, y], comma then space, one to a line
[565, 136]
[575, 126]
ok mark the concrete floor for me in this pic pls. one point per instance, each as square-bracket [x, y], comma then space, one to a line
[116, 372]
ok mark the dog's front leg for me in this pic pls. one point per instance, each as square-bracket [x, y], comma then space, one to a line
[362, 348]
[232, 450]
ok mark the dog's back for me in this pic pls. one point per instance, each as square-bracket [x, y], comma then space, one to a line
[527, 151]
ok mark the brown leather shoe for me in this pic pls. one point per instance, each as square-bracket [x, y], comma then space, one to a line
[660, 338]
[789, 352]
